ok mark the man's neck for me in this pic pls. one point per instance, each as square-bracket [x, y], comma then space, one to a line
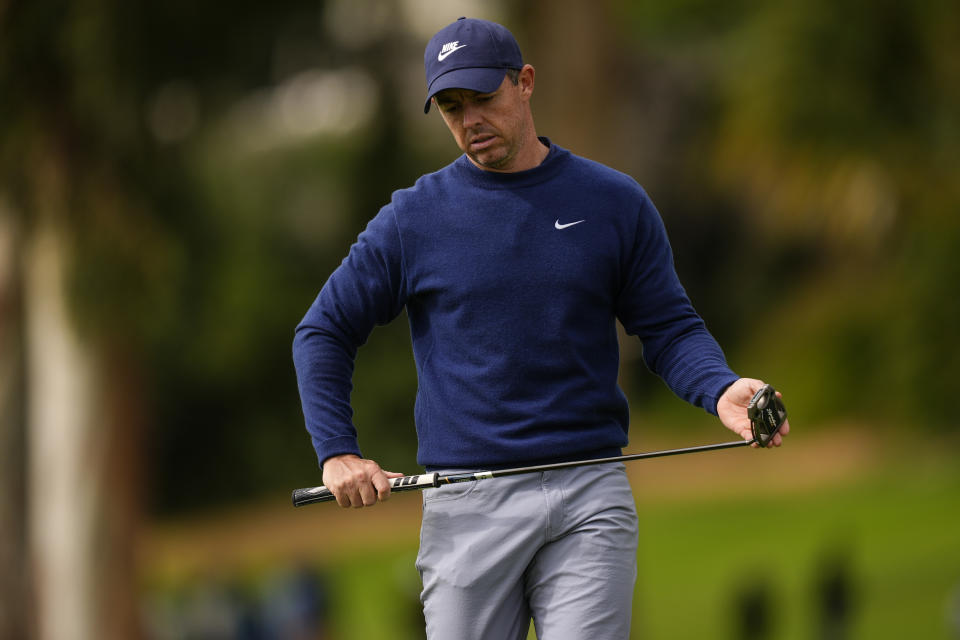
[531, 155]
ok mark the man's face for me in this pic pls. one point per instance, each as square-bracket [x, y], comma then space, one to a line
[491, 128]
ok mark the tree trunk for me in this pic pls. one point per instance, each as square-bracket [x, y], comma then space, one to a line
[84, 419]
[579, 79]
[14, 599]
[64, 454]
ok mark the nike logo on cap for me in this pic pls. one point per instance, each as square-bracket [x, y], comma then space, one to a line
[564, 226]
[449, 48]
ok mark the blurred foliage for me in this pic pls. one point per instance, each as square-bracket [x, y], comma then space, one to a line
[198, 246]
[813, 205]
[837, 138]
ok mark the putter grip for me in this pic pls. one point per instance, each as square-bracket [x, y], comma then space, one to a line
[310, 495]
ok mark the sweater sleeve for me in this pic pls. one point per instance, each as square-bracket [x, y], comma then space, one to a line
[366, 290]
[654, 306]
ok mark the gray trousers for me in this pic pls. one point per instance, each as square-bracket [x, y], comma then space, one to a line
[558, 546]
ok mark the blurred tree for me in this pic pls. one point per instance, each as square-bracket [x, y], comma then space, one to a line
[171, 176]
[100, 266]
[14, 585]
[836, 133]
[66, 132]
[177, 180]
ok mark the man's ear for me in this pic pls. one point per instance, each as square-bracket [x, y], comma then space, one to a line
[526, 80]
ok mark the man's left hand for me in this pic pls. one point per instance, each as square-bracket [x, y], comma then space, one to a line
[732, 409]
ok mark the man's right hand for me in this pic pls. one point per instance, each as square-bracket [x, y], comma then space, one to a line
[357, 482]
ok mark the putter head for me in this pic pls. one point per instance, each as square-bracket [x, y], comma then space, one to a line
[767, 414]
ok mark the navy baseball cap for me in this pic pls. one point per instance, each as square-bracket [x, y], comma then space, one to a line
[469, 54]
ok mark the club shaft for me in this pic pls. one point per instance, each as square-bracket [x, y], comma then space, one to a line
[627, 458]
[311, 495]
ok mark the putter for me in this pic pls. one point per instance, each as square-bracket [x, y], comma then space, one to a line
[765, 410]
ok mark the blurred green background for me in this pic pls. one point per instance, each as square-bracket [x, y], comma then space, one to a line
[177, 180]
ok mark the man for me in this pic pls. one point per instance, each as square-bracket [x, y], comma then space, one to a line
[513, 263]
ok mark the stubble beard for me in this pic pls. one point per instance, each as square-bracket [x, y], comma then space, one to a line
[499, 157]
[495, 163]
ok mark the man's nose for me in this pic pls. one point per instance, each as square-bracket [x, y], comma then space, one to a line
[471, 115]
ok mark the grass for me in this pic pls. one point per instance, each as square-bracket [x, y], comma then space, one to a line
[711, 526]
[898, 533]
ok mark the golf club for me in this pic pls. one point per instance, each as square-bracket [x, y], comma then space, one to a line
[766, 412]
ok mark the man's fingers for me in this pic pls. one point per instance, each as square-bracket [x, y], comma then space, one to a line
[368, 495]
[356, 482]
[347, 495]
[356, 495]
[381, 482]
[785, 429]
[368, 491]
[343, 497]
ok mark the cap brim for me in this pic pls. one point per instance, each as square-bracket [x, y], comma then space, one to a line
[479, 79]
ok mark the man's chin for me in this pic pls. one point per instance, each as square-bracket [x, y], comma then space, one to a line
[492, 160]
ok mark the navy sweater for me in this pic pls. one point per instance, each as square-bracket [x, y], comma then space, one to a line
[512, 283]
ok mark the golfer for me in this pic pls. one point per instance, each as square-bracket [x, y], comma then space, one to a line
[513, 263]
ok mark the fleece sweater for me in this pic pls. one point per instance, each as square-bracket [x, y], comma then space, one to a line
[512, 283]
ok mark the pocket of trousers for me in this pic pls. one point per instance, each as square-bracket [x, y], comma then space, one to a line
[449, 492]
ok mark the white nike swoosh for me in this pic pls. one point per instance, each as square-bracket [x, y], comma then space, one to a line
[564, 226]
[443, 54]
